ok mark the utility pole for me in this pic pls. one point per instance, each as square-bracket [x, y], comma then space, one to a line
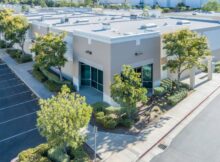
[95, 136]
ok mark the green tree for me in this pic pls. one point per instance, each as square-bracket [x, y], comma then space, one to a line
[62, 118]
[184, 48]
[50, 50]
[16, 30]
[211, 5]
[5, 15]
[127, 89]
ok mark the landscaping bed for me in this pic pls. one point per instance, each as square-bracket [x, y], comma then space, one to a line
[44, 153]
[50, 80]
[18, 56]
[114, 119]
[4, 44]
[217, 67]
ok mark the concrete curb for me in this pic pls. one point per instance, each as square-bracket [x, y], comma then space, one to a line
[174, 127]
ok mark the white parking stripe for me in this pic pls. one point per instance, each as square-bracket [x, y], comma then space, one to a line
[19, 117]
[12, 86]
[6, 74]
[19, 134]
[18, 104]
[15, 94]
[9, 79]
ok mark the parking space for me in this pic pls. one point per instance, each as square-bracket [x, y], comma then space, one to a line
[18, 107]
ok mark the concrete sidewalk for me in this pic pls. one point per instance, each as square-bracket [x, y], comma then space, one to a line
[113, 147]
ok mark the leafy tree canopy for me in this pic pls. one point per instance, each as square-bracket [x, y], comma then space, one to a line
[184, 48]
[62, 118]
[212, 5]
[127, 88]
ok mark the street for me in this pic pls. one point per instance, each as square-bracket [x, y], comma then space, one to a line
[199, 141]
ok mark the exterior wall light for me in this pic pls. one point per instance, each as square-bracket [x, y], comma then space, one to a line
[89, 52]
[138, 53]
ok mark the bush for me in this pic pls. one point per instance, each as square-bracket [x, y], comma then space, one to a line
[167, 84]
[113, 110]
[37, 154]
[79, 155]
[217, 69]
[52, 86]
[126, 123]
[109, 122]
[165, 10]
[57, 155]
[177, 97]
[159, 91]
[2, 44]
[38, 75]
[18, 56]
[25, 58]
[99, 106]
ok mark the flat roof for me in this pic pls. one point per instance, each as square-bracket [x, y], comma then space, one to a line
[128, 28]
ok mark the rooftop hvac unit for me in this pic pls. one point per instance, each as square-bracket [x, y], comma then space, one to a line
[182, 22]
[149, 25]
[133, 16]
[106, 26]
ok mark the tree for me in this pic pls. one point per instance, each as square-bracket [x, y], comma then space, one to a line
[211, 5]
[5, 15]
[127, 88]
[184, 48]
[16, 30]
[62, 118]
[50, 50]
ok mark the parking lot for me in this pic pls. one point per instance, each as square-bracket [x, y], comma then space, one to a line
[18, 106]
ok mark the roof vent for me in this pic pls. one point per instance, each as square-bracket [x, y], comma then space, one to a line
[149, 25]
[116, 17]
[182, 22]
[64, 20]
[106, 26]
[133, 16]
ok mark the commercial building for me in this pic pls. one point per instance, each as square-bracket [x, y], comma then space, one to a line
[99, 44]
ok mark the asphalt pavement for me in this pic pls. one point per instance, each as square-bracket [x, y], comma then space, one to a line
[199, 141]
[18, 107]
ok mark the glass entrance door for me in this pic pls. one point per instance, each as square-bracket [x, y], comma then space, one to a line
[92, 77]
[146, 75]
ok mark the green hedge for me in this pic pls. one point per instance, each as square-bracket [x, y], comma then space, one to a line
[57, 155]
[177, 97]
[18, 56]
[37, 154]
[99, 106]
[167, 84]
[43, 153]
[110, 117]
[50, 80]
[159, 91]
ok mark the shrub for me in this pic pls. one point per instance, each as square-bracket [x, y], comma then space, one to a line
[113, 110]
[99, 106]
[159, 91]
[52, 86]
[109, 122]
[38, 75]
[25, 58]
[34, 154]
[57, 155]
[165, 10]
[167, 84]
[217, 69]
[78, 155]
[126, 123]
[100, 117]
[2, 44]
[177, 97]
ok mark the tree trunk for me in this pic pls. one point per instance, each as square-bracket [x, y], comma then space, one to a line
[22, 48]
[178, 77]
[60, 72]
